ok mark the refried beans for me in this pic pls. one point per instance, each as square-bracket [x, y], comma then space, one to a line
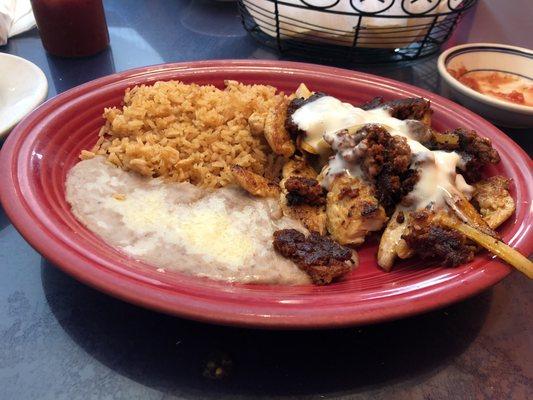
[222, 234]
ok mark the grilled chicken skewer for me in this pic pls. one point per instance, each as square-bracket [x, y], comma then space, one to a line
[477, 229]
[466, 211]
[495, 246]
[474, 228]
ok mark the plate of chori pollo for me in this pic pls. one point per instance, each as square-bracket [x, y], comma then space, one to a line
[269, 194]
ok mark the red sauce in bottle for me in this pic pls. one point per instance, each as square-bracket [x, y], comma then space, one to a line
[71, 28]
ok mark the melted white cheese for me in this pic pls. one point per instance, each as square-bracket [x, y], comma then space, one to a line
[323, 119]
[463, 187]
[338, 166]
[437, 175]
[325, 116]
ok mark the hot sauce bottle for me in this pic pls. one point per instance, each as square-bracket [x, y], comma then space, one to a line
[71, 28]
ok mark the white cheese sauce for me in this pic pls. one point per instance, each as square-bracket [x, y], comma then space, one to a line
[323, 119]
[337, 165]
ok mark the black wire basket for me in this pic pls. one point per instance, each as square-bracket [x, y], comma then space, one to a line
[353, 31]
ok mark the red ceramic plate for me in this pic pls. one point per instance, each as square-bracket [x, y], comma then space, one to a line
[40, 151]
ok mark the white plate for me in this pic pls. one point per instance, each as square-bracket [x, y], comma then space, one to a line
[488, 57]
[23, 86]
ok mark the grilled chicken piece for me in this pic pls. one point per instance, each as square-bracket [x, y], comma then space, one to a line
[256, 122]
[313, 216]
[298, 167]
[431, 239]
[303, 92]
[352, 210]
[426, 118]
[275, 132]
[391, 244]
[493, 200]
[253, 183]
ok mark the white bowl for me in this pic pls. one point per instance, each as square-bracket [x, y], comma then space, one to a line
[23, 86]
[489, 57]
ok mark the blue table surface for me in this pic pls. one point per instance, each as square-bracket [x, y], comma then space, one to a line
[62, 340]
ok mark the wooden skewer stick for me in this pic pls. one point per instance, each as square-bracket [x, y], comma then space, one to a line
[495, 246]
[466, 212]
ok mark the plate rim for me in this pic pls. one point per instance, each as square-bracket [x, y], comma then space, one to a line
[157, 298]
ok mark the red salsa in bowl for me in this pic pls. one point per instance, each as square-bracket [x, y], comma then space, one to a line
[504, 86]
